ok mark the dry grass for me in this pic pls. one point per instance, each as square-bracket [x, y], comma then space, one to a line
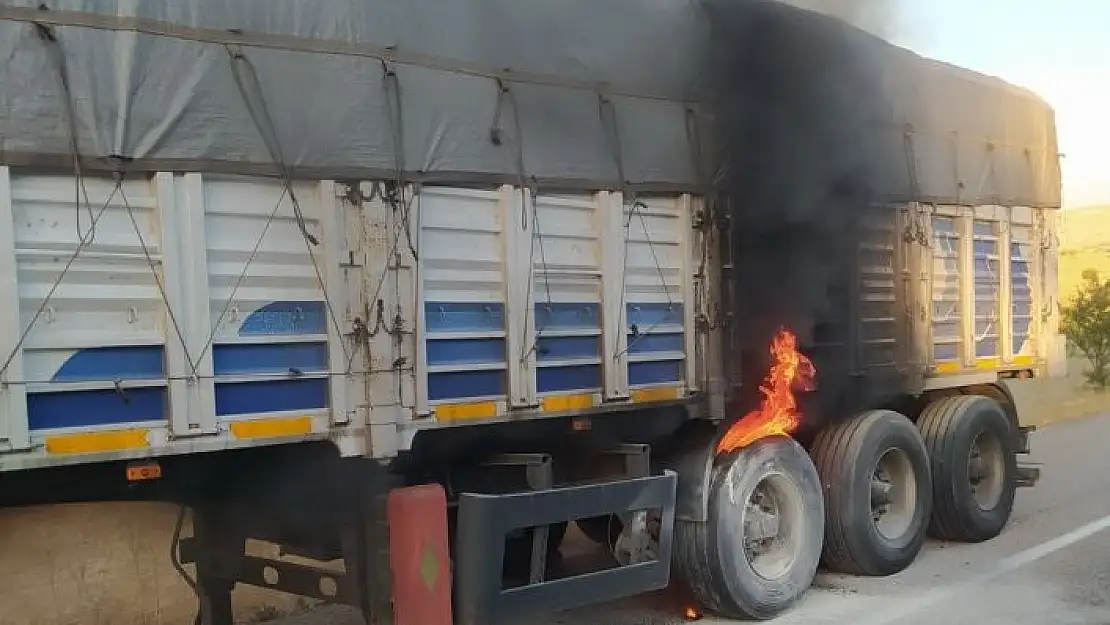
[1084, 244]
[1046, 401]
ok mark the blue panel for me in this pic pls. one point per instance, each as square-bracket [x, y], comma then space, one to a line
[235, 398]
[113, 363]
[983, 248]
[578, 378]
[230, 359]
[647, 315]
[463, 384]
[945, 225]
[986, 348]
[654, 372]
[646, 343]
[285, 318]
[66, 409]
[1022, 294]
[983, 228]
[464, 317]
[465, 351]
[567, 316]
[565, 347]
[946, 351]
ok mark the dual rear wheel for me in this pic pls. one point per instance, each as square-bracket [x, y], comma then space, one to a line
[861, 501]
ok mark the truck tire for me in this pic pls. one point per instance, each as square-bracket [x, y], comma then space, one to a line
[878, 493]
[758, 549]
[971, 449]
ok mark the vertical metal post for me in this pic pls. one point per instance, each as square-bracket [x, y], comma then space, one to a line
[365, 539]
[538, 472]
[217, 560]
[13, 397]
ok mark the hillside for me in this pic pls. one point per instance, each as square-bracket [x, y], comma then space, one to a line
[1084, 244]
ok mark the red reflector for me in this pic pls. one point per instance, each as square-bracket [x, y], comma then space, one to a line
[143, 472]
[581, 424]
[418, 556]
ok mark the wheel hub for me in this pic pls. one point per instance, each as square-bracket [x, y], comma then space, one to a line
[986, 470]
[771, 527]
[893, 494]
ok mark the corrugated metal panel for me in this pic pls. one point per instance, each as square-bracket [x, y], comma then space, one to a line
[127, 337]
[988, 291]
[878, 289]
[1021, 288]
[94, 356]
[566, 262]
[267, 305]
[984, 304]
[946, 299]
[654, 275]
[463, 255]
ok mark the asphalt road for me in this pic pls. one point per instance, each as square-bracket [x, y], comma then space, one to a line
[1050, 566]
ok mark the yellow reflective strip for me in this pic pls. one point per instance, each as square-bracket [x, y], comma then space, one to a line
[660, 393]
[948, 367]
[97, 442]
[988, 363]
[272, 428]
[1025, 361]
[466, 412]
[564, 403]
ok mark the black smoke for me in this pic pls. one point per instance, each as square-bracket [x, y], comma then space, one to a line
[797, 100]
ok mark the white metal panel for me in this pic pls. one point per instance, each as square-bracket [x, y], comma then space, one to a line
[93, 355]
[986, 282]
[270, 316]
[463, 260]
[945, 301]
[656, 269]
[987, 295]
[567, 264]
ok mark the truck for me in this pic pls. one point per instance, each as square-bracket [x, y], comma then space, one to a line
[732, 288]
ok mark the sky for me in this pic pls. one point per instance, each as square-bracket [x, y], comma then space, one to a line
[1057, 48]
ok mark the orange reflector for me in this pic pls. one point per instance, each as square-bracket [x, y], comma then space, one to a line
[143, 472]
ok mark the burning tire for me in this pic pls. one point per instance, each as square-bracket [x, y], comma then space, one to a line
[971, 445]
[878, 493]
[758, 550]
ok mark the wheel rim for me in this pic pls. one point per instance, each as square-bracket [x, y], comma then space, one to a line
[986, 470]
[893, 494]
[773, 526]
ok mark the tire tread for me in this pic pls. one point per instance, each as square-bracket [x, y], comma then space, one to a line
[938, 423]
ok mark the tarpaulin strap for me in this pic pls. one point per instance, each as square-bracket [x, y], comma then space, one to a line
[528, 201]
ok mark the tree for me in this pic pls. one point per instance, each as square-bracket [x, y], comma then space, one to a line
[1086, 323]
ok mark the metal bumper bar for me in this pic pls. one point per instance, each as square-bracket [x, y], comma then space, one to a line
[485, 520]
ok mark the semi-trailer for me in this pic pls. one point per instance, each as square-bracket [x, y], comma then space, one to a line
[734, 288]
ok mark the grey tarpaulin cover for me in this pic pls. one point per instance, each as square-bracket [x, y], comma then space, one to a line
[596, 89]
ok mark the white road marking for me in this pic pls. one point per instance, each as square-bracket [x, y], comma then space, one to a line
[909, 607]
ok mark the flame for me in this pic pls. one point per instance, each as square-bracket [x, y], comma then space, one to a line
[778, 411]
[692, 614]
